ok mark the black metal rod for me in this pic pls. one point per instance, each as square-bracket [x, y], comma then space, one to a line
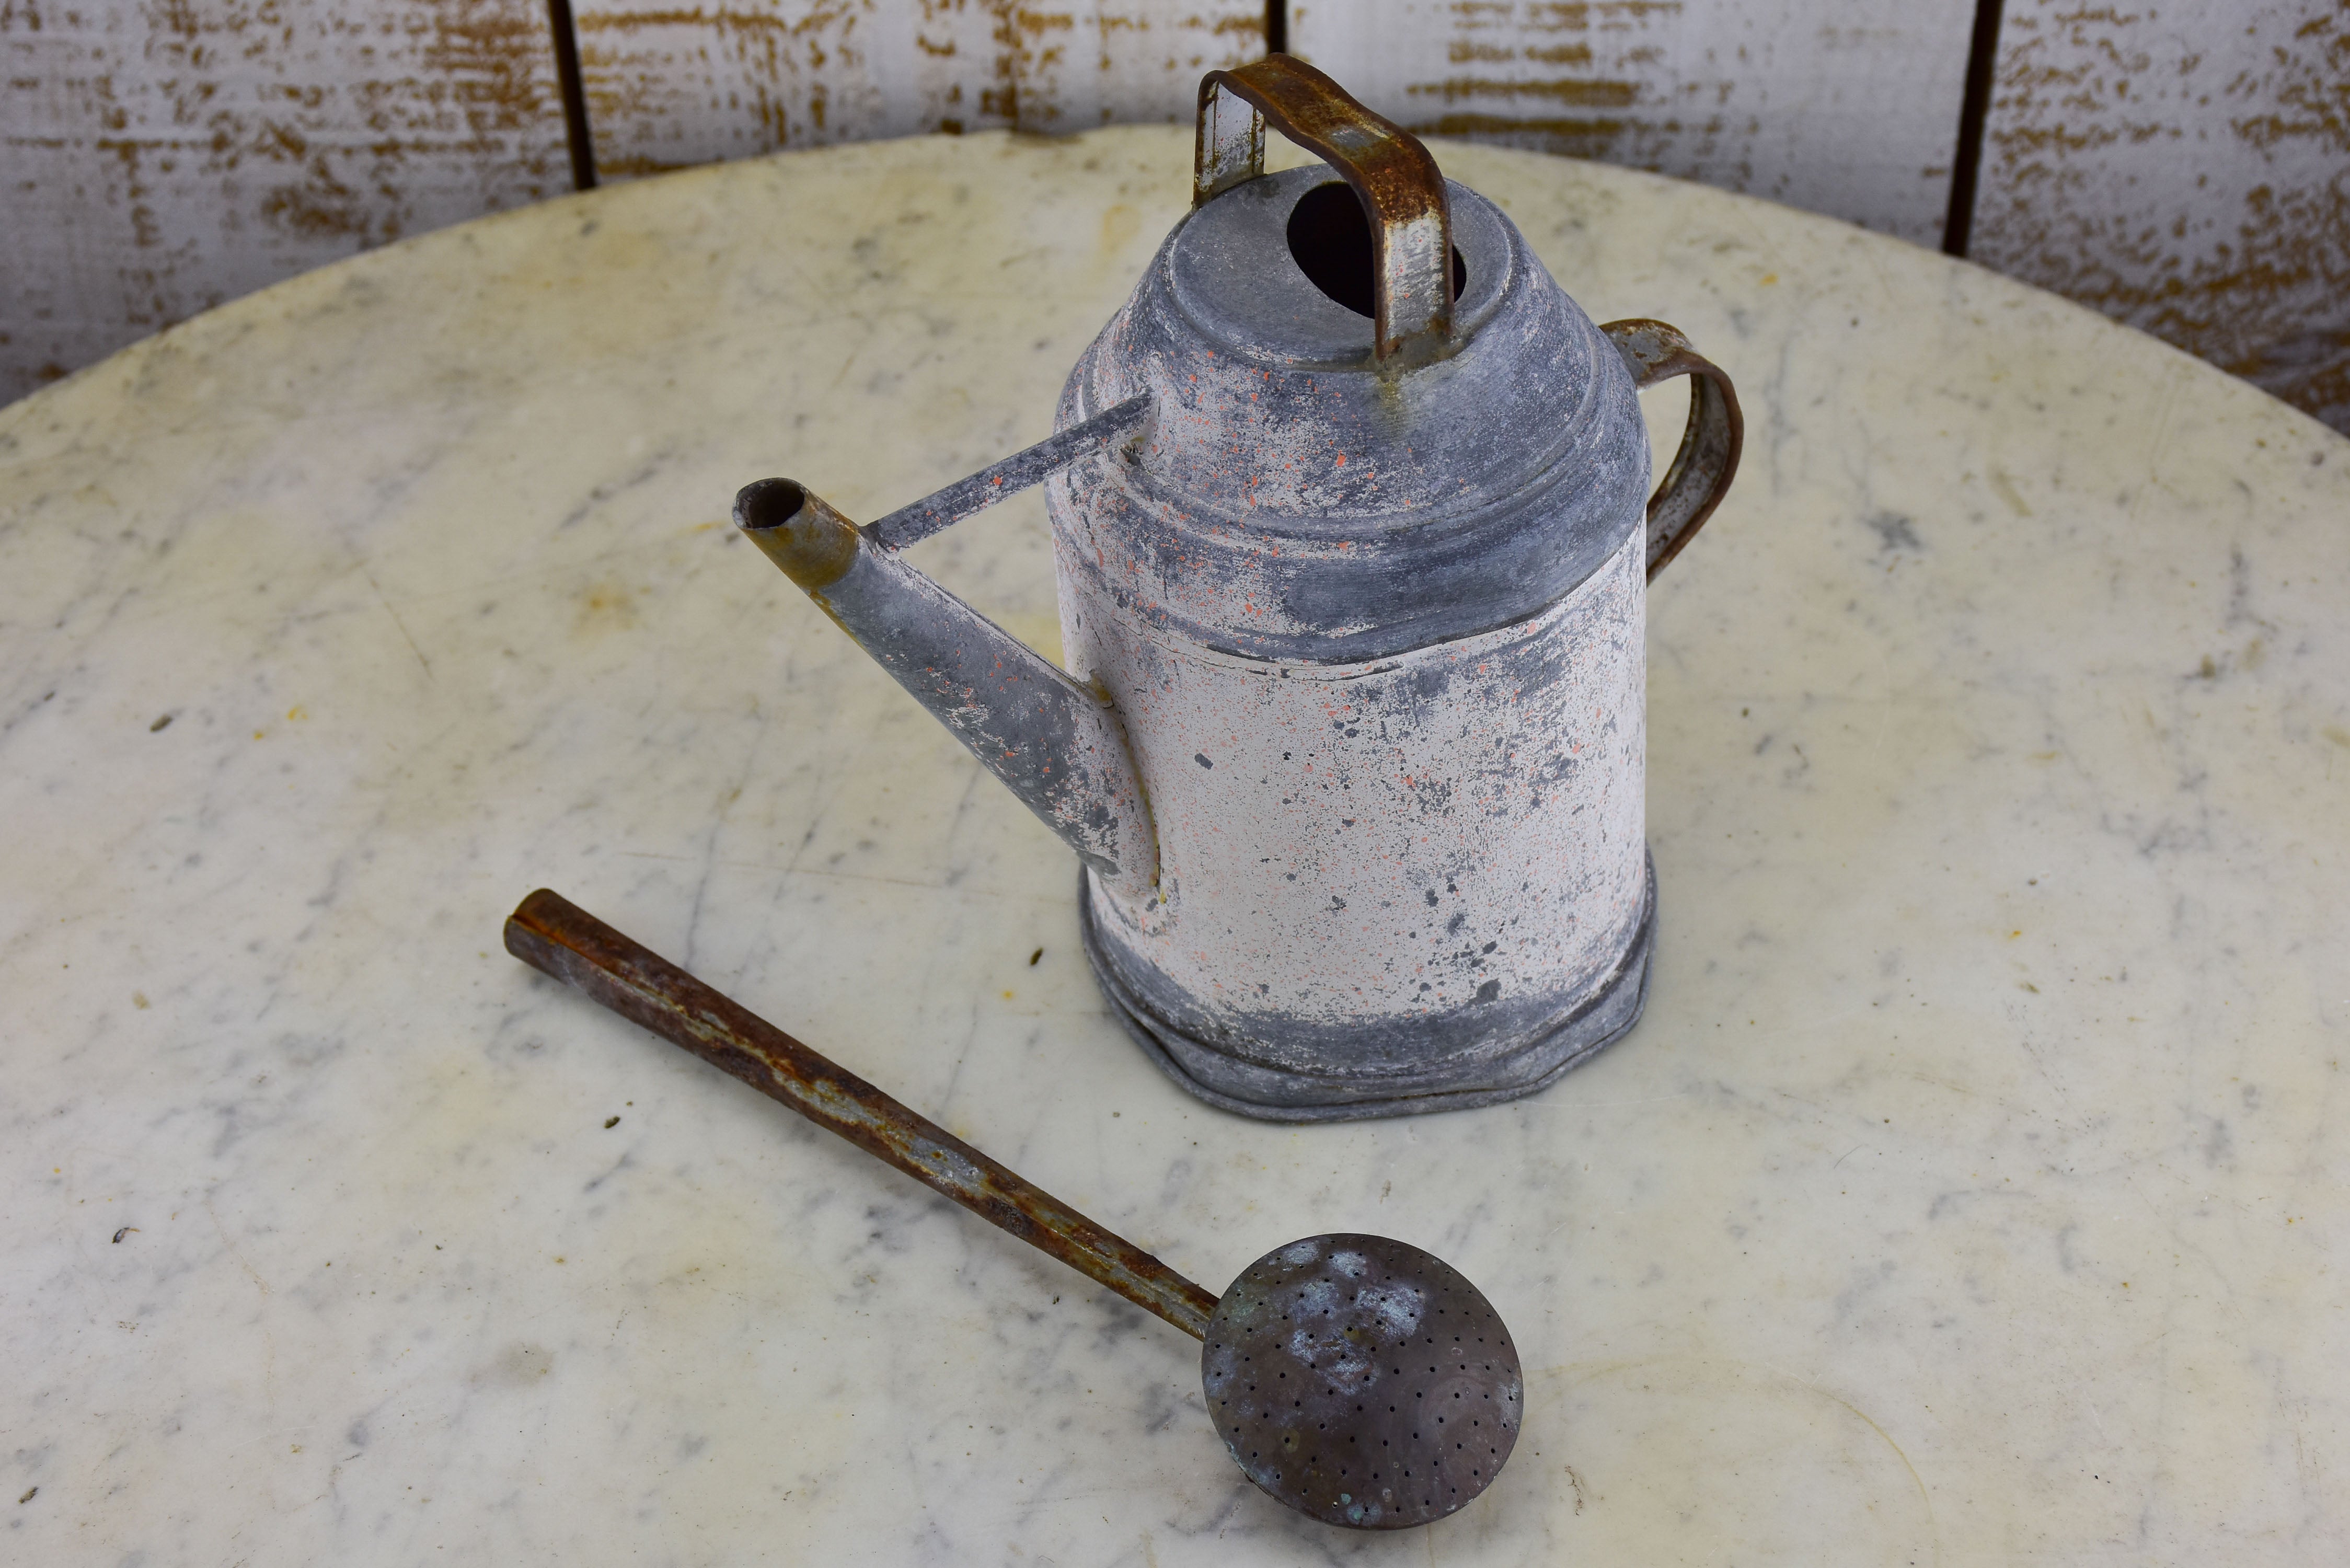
[556, 937]
[1974, 114]
[998, 480]
[576, 130]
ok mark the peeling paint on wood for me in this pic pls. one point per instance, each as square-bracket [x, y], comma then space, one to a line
[1849, 108]
[669, 85]
[163, 157]
[2184, 166]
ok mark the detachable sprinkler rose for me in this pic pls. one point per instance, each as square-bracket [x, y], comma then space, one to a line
[1355, 1378]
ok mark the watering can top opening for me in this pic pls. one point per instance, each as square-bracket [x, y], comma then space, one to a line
[1298, 494]
[1279, 270]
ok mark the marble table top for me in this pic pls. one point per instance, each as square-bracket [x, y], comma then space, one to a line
[1973, 1191]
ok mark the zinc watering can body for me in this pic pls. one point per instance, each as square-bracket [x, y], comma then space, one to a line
[1351, 528]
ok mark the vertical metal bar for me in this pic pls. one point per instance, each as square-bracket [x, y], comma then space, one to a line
[1276, 26]
[576, 130]
[1974, 111]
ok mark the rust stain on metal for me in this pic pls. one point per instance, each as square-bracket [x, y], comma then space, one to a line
[1393, 176]
[2181, 168]
[1711, 439]
[558, 937]
[801, 532]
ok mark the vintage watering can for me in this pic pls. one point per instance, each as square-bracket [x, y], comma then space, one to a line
[1348, 522]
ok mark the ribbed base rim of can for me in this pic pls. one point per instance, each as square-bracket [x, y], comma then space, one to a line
[1602, 1017]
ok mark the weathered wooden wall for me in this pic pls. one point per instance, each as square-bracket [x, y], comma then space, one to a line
[162, 155]
[668, 88]
[1844, 106]
[2184, 166]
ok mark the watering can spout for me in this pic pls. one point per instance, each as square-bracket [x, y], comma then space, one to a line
[1055, 745]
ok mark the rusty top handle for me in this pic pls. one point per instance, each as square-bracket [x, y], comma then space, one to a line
[1393, 177]
[552, 935]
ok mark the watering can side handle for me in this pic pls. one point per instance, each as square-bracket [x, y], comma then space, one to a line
[1392, 174]
[1708, 458]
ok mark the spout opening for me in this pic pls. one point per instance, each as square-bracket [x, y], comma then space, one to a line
[767, 504]
[813, 544]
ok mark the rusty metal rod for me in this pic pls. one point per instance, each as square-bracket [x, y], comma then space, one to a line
[551, 934]
[918, 520]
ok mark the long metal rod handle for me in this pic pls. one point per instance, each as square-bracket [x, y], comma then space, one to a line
[552, 935]
[1716, 432]
[1393, 177]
